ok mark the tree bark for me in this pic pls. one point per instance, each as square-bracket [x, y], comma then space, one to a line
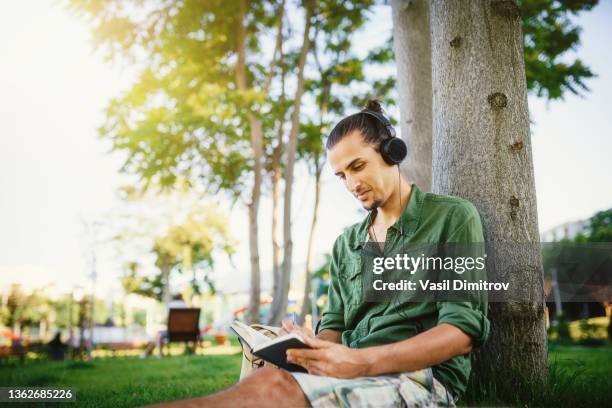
[279, 305]
[482, 151]
[275, 180]
[306, 300]
[412, 46]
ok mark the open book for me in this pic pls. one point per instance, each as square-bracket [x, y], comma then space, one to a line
[272, 350]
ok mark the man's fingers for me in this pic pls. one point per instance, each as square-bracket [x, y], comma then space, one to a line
[314, 363]
[301, 354]
[318, 343]
[287, 326]
[305, 332]
[301, 332]
[317, 367]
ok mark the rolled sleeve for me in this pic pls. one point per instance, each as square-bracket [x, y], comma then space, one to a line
[469, 319]
[333, 314]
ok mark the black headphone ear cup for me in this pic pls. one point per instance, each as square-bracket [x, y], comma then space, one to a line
[393, 150]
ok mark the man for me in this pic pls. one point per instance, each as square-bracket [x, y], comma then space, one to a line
[377, 354]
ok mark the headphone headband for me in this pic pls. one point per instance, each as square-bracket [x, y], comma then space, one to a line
[381, 118]
[393, 149]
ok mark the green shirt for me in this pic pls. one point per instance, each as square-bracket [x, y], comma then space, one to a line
[428, 218]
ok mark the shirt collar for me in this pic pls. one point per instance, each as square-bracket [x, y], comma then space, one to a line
[410, 218]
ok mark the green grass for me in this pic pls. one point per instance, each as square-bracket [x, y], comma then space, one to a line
[580, 376]
[128, 382]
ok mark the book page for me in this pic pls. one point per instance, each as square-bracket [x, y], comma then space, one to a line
[251, 336]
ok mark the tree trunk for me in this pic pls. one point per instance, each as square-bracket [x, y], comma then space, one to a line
[256, 132]
[412, 48]
[482, 152]
[165, 270]
[306, 301]
[255, 289]
[275, 179]
[318, 161]
[279, 305]
[276, 249]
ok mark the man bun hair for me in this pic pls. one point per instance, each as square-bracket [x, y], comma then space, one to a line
[372, 130]
[373, 105]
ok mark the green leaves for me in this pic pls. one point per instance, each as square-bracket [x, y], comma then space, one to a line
[190, 246]
[600, 227]
[549, 35]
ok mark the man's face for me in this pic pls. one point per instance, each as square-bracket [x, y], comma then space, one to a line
[363, 170]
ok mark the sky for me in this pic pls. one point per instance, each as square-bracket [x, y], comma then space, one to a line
[56, 175]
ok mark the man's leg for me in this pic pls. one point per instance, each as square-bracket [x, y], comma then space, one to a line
[267, 386]
[149, 349]
[160, 339]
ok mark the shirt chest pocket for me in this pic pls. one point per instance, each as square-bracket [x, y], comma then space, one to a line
[350, 287]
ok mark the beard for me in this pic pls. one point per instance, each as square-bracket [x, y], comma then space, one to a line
[375, 204]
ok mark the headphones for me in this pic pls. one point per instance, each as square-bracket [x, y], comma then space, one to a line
[393, 149]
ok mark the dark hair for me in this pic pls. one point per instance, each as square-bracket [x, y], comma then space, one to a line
[373, 131]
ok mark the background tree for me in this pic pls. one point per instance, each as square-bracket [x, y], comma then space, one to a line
[412, 47]
[24, 309]
[11, 313]
[335, 84]
[599, 229]
[197, 109]
[203, 107]
[189, 247]
[211, 102]
[339, 85]
[279, 305]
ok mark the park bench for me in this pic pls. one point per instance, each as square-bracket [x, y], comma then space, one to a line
[183, 326]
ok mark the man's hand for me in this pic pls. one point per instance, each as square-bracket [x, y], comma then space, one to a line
[330, 359]
[287, 326]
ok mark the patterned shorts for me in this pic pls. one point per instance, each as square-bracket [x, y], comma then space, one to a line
[411, 389]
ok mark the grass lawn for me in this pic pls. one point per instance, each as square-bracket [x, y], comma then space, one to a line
[580, 377]
[129, 381]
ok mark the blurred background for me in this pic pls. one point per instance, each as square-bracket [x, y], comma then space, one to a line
[136, 178]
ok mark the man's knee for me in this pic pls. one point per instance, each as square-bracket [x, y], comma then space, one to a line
[278, 381]
[274, 376]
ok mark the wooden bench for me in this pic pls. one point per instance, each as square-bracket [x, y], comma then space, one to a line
[183, 326]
